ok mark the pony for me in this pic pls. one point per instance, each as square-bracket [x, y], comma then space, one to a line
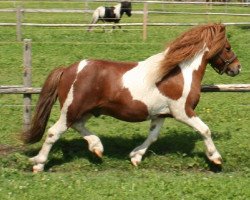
[111, 14]
[164, 85]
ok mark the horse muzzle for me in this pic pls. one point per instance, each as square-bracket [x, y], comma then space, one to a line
[233, 71]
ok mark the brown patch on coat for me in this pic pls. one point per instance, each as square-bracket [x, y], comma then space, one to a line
[172, 84]
[50, 135]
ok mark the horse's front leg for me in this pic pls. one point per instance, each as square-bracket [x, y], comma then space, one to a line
[116, 24]
[196, 123]
[138, 152]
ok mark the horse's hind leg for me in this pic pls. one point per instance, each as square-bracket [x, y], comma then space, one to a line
[53, 135]
[94, 19]
[138, 152]
[94, 142]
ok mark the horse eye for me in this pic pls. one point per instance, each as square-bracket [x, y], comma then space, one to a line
[228, 48]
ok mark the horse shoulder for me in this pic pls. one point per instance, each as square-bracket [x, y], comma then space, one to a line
[172, 84]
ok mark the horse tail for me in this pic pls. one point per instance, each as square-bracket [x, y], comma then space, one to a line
[44, 105]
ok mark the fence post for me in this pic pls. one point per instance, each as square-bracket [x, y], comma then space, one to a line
[19, 24]
[145, 20]
[86, 5]
[27, 83]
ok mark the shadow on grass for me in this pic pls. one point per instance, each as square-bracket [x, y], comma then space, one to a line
[245, 27]
[120, 147]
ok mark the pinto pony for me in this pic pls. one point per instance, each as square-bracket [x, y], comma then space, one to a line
[111, 14]
[164, 85]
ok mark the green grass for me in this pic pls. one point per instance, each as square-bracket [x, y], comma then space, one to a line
[175, 166]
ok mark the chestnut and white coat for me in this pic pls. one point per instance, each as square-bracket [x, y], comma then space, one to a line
[164, 85]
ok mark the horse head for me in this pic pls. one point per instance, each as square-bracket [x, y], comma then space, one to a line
[226, 61]
[126, 7]
[220, 55]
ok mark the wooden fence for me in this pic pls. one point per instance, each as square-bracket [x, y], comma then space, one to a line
[19, 13]
[27, 90]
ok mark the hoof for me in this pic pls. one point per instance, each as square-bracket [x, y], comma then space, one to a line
[217, 161]
[215, 158]
[98, 153]
[38, 168]
[135, 162]
[36, 171]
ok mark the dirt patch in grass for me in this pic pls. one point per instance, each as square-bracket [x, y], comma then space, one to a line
[6, 149]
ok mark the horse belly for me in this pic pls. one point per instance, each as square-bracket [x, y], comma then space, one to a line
[156, 103]
[134, 111]
[123, 107]
[128, 108]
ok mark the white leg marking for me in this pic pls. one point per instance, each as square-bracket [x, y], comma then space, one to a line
[203, 129]
[138, 152]
[94, 142]
[53, 135]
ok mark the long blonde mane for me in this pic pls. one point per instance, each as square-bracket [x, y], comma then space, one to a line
[192, 42]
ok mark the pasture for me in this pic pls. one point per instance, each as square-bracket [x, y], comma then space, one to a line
[175, 166]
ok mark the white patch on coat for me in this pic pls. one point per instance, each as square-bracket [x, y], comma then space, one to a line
[81, 65]
[99, 12]
[70, 96]
[138, 82]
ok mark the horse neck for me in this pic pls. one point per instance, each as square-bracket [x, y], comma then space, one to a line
[191, 64]
[151, 68]
[195, 67]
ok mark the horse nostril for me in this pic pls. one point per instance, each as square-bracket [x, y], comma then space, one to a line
[237, 71]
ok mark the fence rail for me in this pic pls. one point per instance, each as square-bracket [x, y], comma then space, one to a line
[204, 88]
[120, 24]
[27, 90]
[179, 2]
[40, 10]
[19, 15]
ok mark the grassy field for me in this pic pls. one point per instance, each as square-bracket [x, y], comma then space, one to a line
[175, 166]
